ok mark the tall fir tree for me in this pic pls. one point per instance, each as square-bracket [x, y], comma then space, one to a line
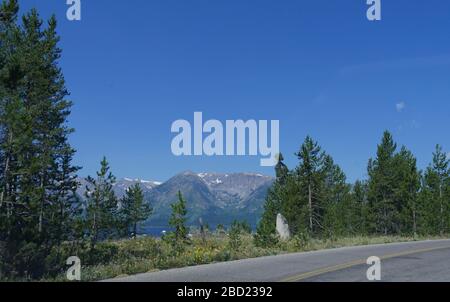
[382, 184]
[101, 205]
[310, 174]
[436, 190]
[178, 219]
[407, 191]
[178, 238]
[134, 209]
[338, 206]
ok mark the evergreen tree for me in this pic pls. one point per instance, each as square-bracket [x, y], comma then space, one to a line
[65, 220]
[36, 175]
[428, 220]
[101, 205]
[13, 129]
[134, 209]
[381, 190]
[437, 189]
[339, 208]
[178, 220]
[407, 190]
[310, 173]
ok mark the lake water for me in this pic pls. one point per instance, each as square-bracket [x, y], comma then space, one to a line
[154, 231]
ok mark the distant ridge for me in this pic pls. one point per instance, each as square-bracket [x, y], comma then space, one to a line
[218, 198]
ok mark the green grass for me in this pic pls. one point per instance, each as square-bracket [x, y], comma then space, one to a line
[148, 254]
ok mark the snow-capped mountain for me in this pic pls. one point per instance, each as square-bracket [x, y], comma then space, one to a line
[234, 189]
[122, 185]
[216, 197]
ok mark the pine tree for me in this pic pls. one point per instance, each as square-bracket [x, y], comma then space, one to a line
[436, 189]
[338, 207]
[11, 110]
[428, 220]
[310, 173]
[101, 205]
[407, 190]
[382, 185]
[134, 209]
[66, 204]
[178, 220]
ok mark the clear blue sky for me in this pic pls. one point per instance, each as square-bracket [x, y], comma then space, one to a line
[318, 66]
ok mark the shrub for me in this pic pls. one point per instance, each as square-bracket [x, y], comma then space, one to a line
[265, 240]
[103, 253]
[144, 248]
[234, 241]
[301, 240]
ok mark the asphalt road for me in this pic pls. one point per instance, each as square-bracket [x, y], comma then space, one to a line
[424, 261]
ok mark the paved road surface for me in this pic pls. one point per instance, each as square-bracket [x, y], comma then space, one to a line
[423, 261]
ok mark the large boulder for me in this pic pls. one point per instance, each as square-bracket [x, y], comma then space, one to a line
[283, 228]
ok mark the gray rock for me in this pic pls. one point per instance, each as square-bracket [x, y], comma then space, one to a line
[283, 228]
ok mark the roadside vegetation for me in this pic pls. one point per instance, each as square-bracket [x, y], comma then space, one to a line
[124, 258]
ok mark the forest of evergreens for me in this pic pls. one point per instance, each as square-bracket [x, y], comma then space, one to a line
[396, 199]
[40, 211]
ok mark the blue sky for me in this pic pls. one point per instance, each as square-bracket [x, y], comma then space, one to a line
[318, 66]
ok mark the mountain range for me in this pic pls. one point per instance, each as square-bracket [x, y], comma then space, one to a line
[217, 198]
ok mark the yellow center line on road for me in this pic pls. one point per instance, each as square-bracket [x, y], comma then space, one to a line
[343, 266]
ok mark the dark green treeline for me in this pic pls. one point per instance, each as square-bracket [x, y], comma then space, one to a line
[396, 199]
[42, 219]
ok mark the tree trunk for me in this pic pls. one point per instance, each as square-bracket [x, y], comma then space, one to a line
[6, 172]
[61, 221]
[41, 212]
[94, 231]
[442, 210]
[310, 208]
